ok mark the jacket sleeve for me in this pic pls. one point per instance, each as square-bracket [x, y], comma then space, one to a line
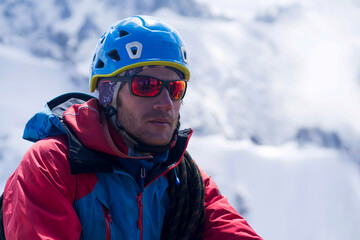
[222, 221]
[38, 196]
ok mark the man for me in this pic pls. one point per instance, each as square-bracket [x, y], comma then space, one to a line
[117, 167]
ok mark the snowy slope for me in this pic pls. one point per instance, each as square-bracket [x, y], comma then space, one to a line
[273, 98]
[285, 192]
[28, 83]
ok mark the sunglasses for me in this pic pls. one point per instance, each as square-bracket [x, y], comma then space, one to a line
[146, 86]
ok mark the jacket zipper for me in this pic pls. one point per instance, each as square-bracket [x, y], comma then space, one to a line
[140, 220]
[142, 186]
[139, 201]
[108, 220]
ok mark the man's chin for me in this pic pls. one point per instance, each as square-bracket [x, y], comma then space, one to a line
[156, 143]
[156, 139]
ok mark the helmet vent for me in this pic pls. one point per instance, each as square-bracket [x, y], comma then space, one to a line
[184, 54]
[99, 64]
[102, 40]
[114, 55]
[134, 50]
[123, 33]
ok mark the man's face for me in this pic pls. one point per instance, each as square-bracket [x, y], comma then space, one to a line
[151, 120]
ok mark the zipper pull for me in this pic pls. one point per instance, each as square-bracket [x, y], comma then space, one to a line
[143, 173]
[142, 178]
[176, 177]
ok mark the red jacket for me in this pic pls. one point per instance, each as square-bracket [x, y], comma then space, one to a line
[39, 196]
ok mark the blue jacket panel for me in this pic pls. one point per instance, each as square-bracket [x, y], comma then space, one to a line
[119, 194]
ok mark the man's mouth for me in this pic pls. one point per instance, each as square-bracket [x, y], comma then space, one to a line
[160, 121]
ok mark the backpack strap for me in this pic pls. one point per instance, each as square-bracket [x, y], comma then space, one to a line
[2, 232]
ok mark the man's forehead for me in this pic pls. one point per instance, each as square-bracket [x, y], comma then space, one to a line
[165, 73]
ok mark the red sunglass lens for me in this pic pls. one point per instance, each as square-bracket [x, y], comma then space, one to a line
[145, 86]
[177, 89]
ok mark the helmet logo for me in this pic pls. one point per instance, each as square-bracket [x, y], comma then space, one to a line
[184, 54]
[134, 49]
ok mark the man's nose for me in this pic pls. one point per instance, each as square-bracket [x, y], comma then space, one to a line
[163, 100]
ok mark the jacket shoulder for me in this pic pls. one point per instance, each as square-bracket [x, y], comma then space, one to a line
[222, 221]
[40, 192]
[48, 160]
[45, 160]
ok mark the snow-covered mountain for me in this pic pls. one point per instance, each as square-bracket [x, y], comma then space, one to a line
[59, 29]
[273, 97]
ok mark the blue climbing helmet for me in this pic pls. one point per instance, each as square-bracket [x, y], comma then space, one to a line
[134, 42]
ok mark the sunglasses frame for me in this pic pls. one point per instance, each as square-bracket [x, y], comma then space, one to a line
[164, 83]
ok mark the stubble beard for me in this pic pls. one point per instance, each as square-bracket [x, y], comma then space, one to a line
[135, 126]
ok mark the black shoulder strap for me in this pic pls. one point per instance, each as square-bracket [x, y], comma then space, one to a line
[85, 160]
[2, 233]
